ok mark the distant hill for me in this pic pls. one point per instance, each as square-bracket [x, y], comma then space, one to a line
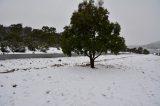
[154, 45]
[134, 46]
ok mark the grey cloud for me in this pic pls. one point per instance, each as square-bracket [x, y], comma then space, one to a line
[139, 19]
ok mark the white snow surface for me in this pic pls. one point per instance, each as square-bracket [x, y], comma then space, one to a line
[123, 80]
[49, 51]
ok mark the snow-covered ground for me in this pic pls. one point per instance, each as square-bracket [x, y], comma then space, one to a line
[123, 80]
[50, 50]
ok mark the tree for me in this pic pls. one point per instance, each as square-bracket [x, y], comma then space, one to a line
[14, 37]
[13, 41]
[27, 31]
[91, 33]
[2, 32]
[145, 51]
[48, 35]
[3, 47]
[16, 28]
[17, 37]
[140, 50]
[34, 39]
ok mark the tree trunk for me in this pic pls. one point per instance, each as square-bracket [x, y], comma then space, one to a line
[92, 62]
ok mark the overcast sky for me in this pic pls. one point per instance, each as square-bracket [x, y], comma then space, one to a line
[139, 19]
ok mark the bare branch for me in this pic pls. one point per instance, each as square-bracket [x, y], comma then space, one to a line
[87, 54]
[93, 54]
[98, 55]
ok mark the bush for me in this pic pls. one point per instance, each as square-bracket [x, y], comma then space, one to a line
[145, 51]
[3, 47]
[43, 50]
[21, 50]
[139, 50]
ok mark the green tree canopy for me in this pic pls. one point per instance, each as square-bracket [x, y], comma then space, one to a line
[90, 32]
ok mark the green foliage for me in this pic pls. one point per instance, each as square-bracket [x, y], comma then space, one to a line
[90, 32]
[17, 37]
[16, 28]
[2, 33]
[145, 51]
[138, 50]
[3, 47]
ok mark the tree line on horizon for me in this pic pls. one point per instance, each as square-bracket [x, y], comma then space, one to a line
[139, 50]
[17, 37]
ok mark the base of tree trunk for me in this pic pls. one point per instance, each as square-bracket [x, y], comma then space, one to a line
[92, 63]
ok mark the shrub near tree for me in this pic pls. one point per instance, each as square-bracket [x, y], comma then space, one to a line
[91, 33]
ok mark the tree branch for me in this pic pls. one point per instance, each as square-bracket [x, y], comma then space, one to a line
[87, 54]
[98, 55]
[93, 54]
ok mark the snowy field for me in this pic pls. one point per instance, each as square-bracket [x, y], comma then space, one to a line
[50, 50]
[123, 80]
